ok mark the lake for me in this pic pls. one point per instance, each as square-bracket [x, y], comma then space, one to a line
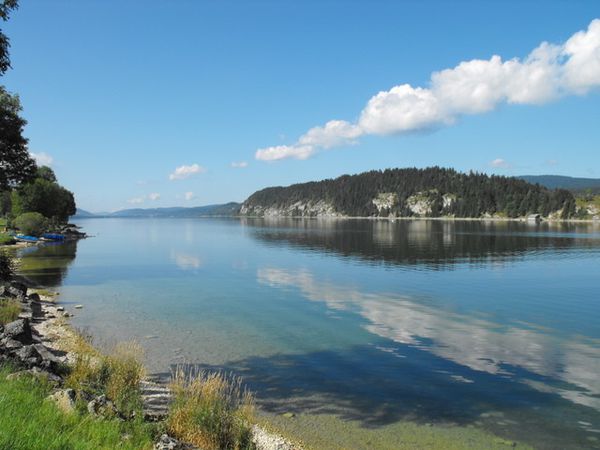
[491, 325]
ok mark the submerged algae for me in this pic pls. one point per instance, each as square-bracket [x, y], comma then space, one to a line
[326, 431]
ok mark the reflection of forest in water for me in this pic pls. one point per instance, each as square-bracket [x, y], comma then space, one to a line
[47, 264]
[435, 243]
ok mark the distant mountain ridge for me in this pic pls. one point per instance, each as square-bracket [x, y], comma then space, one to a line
[227, 209]
[564, 182]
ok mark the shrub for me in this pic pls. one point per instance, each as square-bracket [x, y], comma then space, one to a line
[6, 239]
[9, 311]
[31, 223]
[212, 411]
[7, 267]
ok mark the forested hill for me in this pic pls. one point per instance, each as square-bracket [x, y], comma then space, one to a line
[431, 192]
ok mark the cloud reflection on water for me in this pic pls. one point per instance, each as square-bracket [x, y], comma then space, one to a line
[548, 363]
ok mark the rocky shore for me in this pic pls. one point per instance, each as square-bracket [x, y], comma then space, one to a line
[36, 344]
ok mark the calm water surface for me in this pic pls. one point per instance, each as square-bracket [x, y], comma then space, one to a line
[491, 324]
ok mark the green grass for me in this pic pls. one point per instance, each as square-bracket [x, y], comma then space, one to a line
[6, 239]
[28, 422]
[9, 311]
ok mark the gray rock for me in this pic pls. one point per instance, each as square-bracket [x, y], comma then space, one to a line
[17, 375]
[19, 330]
[40, 373]
[10, 345]
[49, 360]
[101, 407]
[26, 315]
[4, 292]
[168, 443]
[36, 310]
[64, 399]
[35, 372]
[16, 286]
[29, 355]
[14, 290]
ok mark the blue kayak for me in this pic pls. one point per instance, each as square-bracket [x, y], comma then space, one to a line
[23, 238]
[53, 237]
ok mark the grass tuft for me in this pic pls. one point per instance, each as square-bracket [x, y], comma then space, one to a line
[125, 371]
[212, 411]
[117, 374]
[9, 311]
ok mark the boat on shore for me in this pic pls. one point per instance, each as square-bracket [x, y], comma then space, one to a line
[53, 237]
[24, 238]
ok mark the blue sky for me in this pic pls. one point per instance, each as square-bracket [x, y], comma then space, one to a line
[121, 94]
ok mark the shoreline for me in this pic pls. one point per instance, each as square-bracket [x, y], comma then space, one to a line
[370, 218]
[443, 219]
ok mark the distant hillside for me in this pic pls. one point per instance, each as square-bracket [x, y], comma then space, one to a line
[83, 213]
[562, 182]
[228, 209]
[431, 192]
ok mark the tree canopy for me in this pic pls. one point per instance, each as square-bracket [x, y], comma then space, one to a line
[44, 195]
[16, 164]
[6, 6]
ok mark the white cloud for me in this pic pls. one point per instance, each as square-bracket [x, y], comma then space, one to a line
[333, 134]
[239, 164]
[136, 200]
[285, 151]
[42, 159]
[472, 87]
[154, 196]
[189, 196]
[183, 172]
[582, 68]
[402, 109]
[500, 163]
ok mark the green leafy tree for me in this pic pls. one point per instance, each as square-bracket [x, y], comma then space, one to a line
[16, 165]
[46, 173]
[6, 7]
[45, 197]
[31, 223]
